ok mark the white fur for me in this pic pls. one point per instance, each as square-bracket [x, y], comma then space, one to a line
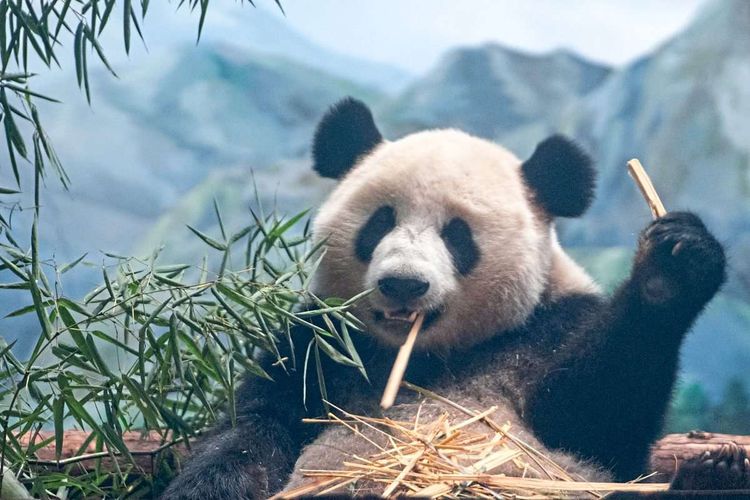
[414, 249]
[429, 178]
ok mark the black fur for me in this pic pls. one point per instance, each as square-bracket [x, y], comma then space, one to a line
[346, 133]
[562, 177]
[588, 374]
[617, 414]
[380, 223]
[463, 249]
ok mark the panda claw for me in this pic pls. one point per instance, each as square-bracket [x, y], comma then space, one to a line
[678, 260]
[724, 468]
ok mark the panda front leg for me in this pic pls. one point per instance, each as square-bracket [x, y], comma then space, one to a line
[250, 460]
[607, 398]
[253, 458]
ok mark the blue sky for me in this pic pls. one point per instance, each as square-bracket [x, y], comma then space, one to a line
[413, 33]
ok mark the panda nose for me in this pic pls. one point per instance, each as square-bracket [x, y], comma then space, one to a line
[403, 289]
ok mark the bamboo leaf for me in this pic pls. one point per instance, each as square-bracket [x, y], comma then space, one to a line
[208, 240]
[218, 217]
[106, 338]
[127, 7]
[26, 91]
[143, 401]
[334, 354]
[250, 365]
[277, 232]
[18, 285]
[174, 346]
[78, 52]
[85, 66]
[204, 11]
[58, 413]
[67, 267]
[99, 50]
[353, 351]
[11, 129]
[105, 15]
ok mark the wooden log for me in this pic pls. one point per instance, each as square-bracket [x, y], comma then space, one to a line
[145, 448]
[666, 454]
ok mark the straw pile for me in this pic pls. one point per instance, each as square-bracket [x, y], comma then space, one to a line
[449, 458]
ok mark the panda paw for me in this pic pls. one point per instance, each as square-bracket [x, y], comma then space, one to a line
[230, 480]
[727, 468]
[679, 259]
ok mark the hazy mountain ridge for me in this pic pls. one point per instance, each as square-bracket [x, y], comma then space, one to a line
[491, 90]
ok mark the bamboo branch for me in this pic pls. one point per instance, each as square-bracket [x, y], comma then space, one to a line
[399, 366]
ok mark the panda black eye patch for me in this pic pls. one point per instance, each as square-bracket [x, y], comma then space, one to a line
[460, 243]
[380, 223]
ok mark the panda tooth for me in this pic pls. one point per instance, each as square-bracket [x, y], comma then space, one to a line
[405, 315]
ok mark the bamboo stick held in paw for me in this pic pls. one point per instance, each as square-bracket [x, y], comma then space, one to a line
[641, 178]
[399, 366]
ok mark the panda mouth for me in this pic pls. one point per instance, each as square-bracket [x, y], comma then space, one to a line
[406, 316]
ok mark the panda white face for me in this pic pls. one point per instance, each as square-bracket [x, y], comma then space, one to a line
[444, 223]
[438, 222]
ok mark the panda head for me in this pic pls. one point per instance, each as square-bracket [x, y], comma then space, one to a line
[444, 223]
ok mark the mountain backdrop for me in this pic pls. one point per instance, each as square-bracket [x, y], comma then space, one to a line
[226, 122]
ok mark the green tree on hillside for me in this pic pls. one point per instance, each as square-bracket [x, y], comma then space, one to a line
[690, 410]
[732, 414]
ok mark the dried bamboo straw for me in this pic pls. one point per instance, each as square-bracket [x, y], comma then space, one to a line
[399, 366]
[448, 458]
[641, 178]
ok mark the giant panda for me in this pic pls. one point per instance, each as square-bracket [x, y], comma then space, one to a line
[462, 230]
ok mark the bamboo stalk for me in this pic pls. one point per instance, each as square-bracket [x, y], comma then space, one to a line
[399, 366]
[641, 178]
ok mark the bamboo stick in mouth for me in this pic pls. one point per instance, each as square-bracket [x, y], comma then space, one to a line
[402, 360]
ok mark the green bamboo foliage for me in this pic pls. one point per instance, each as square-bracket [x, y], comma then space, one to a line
[157, 346]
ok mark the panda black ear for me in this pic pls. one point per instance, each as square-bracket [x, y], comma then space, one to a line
[562, 177]
[346, 133]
